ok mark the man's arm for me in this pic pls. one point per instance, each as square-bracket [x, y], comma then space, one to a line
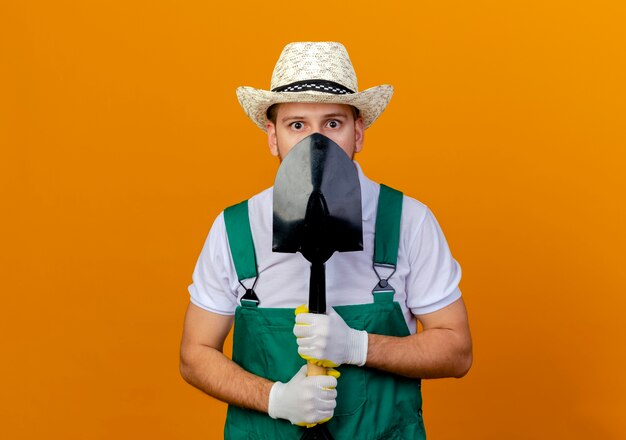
[203, 364]
[303, 400]
[442, 349]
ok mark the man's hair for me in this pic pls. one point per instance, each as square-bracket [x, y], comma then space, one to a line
[272, 112]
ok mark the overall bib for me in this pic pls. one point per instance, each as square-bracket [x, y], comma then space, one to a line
[371, 404]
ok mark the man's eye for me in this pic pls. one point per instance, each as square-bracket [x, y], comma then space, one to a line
[333, 124]
[297, 125]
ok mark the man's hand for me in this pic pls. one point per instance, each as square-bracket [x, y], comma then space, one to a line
[304, 400]
[326, 340]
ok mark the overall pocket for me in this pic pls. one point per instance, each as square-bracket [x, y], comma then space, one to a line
[352, 385]
[280, 349]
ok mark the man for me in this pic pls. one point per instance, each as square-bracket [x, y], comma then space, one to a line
[370, 330]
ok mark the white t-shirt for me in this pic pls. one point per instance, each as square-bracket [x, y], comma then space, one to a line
[426, 277]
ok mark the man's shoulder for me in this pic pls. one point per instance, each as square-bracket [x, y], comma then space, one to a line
[410, 205]
[259, 206]
[262, 198]
[414, 207]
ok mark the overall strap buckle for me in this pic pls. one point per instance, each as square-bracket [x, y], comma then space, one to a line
[250, 298]
[383, 291]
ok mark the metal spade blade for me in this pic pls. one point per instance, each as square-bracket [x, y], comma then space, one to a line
[317, 167]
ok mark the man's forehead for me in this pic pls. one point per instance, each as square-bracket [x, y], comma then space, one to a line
[312, 109]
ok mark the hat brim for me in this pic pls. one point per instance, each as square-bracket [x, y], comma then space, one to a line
[371, 102]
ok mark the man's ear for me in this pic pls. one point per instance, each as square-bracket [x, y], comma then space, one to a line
[359, 133]
[271, 138]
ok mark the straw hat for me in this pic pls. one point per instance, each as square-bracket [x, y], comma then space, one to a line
[314, 72]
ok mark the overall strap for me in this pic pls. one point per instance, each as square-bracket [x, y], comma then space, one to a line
[387, 239]
[241, 246]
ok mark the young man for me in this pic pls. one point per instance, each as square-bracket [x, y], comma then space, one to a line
[369, 333]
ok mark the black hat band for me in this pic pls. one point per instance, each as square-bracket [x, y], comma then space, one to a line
[317, 85]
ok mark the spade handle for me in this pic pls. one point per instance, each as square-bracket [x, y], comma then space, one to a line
[314, 370]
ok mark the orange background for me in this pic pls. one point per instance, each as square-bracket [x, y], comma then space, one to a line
[121, 139]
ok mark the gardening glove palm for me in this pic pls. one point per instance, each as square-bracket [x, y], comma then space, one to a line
[326, 340]
[304, 400]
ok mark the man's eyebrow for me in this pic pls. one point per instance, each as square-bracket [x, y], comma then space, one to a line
[335, 115]
[325, 116]
[289, 118]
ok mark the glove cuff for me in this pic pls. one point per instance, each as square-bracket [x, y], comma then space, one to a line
[273, 405]
[358, 347]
